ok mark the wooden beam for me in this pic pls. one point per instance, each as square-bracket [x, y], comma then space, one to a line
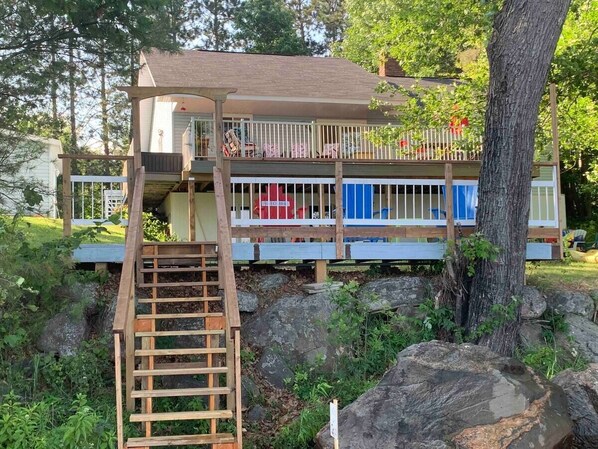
[556, 159]
[136, 117]
[143, 92]
[119, 393]
[450, 218]
[321, 271]
[191, 201]
[218, 131]
[338, 204]
[67, 197]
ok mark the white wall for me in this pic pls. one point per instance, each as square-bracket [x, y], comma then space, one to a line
[161, 126]
[44, 171]
[176, 209]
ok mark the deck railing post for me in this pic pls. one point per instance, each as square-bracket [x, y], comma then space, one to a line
[314, 140]
[450, 218]
[191, 201]
[338, 204]
[67, 197]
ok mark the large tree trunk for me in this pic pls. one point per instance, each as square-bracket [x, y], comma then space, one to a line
[520, 51]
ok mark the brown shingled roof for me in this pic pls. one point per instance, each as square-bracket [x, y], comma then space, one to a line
[256, 75]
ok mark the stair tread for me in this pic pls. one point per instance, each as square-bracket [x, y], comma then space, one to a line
[181, 416]
[179, 351]
[179, 371]
[179, 256]
[167, 316]
[178, 392]
[180, 333]
[181, 440]
[177, 284]
[179, 299]
[178, 269]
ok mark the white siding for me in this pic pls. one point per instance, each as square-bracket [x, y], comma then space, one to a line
[161, 129]
[180, 121]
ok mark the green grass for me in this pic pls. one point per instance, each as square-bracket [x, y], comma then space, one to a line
[40, 230]
[567, 275]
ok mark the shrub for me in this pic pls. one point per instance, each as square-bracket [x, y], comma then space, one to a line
[156, 230]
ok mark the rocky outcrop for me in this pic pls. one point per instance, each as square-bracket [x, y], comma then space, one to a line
[272, 281]
[403, 294]
[530, 335]
[64, 333]
[274, 368]
[533, 305]
[296, 328]
[581, 389]
[569, 302]
[442, 395]
[585, 334]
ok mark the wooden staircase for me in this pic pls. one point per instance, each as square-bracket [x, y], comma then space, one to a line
[178, 283]
[178, 315]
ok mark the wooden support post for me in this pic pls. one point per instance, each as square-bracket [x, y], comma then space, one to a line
[238, 411]
[119, 393]
[130, 182]
[321, 271]
[450, 218]
[67, 197]
[556, 159]
[226, 174]
[101, 267]
[191, 200]
[218, 131]
[130, 354]
[338, 203]
[136, 117]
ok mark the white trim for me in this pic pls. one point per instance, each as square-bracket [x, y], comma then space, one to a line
[281, 181]
[297, 99]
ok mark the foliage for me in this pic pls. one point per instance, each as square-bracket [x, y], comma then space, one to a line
[475, 248]
[42, 425]
[302, 431]
[266, 26]
[426, 38]
[156, 230]
[552, 357]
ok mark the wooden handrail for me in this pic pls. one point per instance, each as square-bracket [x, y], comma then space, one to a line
[134, 240]
[225, 256]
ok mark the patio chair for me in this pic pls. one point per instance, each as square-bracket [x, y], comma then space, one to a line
[270, 150]
[576, 238]
[299, 151]
[330, 151]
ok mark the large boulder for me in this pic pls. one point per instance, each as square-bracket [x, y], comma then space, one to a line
[272, 281]
[578, 303]
[248, 302]
[403, 294]
[533, 305]
[295, 326]
[443, 395]
[530, 335]
[64, 333]
[585, 334]
[274, 368]
[581, 389]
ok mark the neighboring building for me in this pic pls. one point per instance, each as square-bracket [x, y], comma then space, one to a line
[44, 171]
[286, 121]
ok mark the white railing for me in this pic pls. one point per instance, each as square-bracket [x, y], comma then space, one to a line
[97, 199]
[276, 201]
[347, 141]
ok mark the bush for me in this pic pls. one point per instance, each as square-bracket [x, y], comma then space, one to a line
[156, 230]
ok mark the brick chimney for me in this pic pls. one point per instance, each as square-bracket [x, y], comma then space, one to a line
[390, 67]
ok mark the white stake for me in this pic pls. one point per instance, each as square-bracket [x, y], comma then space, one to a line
[334, 422]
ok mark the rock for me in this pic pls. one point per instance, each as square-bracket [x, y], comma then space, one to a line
[248, 302]
[84, 295]
[577, 303]
[403, 293]
[581, 389]
[296, 327]
[530, 335]
[534, 303]
[107, 317]
[186, 341]
[64, 333]
[444, 395]
[274, 368]
[249, 391]
[183, 382]
[256, 413]
[585, 333]
[272, 281]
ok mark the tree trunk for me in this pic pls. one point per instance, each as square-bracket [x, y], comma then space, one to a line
[520, 51]
[72, 95]
[104, 103]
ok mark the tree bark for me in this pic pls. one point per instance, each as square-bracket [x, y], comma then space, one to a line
[104, 102]
[72, 95]
[520, 51]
